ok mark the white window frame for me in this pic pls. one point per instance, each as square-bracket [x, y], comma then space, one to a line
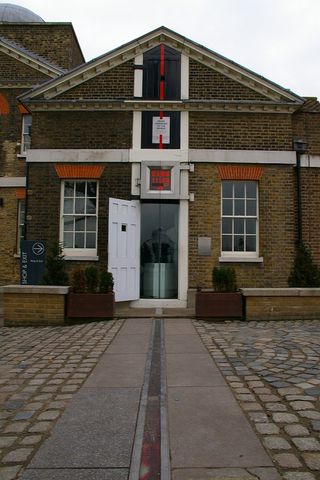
[239, 256]
[78, 253]
[20, 223]
[25, 132]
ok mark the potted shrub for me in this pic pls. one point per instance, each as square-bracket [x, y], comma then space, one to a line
[225, 301]
[91, 294]
[55, 268]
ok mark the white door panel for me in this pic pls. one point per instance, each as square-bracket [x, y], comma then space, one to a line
[124, 248]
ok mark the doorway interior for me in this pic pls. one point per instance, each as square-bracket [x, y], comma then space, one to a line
[159, 250]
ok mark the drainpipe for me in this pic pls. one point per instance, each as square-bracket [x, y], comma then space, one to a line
[300, 148]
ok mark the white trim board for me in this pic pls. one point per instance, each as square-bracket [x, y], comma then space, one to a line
[8, 182]
[242, 156]
[78, 155]
[137, 155]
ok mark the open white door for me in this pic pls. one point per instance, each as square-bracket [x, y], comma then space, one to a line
[124, 248]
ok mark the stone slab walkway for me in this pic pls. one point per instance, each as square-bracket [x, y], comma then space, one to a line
[242, 399]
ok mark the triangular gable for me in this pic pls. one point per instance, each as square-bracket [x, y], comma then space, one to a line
[30, 59]
[218, 63]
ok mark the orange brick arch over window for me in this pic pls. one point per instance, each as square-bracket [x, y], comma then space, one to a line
[79, 171]
[228, 172]
[4, 106]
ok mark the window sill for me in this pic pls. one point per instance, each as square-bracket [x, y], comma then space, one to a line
[87, 258]
[241, 259]
[21, 155]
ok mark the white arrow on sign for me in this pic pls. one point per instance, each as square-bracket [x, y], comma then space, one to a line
[38, 248]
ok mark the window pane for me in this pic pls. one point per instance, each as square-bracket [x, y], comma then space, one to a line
[91, 189]
[239, 189]
[227, 207]
[68, 189]
[226, 225]
[227, 189]
[91, 206]
[91, 224]
[68, 240]
[238, 243]
[251, 207]
[226, 243]
[79, 205]
[239, 207]
[80, 189]
[251, 226]
[251, 243]
[91, 240]
[251, 189]
[68, 205]
[68, 224]
[79, 224]
[21, 211]
[238, 225]
[80, 220]
[79, 240]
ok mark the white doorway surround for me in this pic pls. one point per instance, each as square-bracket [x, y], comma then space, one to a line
[124, 254]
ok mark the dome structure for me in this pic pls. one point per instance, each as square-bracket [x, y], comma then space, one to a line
[11, 13]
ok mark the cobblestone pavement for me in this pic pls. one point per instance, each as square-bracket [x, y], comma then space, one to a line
[273, 369]
[40, 370]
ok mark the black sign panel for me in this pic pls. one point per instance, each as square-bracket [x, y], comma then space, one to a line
[32, 262]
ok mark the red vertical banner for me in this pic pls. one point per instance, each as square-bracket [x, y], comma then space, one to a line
[162, 70]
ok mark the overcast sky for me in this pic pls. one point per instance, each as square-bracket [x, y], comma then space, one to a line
[279, 39]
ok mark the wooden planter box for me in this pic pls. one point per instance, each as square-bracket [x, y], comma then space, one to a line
[219, 305]
[90, 305]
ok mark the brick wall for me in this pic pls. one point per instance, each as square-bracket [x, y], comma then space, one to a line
[310, 196]
[114, 84]
[277, 227]
[82, 130]
[9, 265]
[207, 84]
[10, 135]
[44, 204]
[240, 131]
[55, 42]
[23, 309]
[15, 72]
[306, 126]
[282, 308]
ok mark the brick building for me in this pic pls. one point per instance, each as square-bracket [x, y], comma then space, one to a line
[31, 53]
[162, 159]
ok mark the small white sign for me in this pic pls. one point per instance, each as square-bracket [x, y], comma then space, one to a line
[160, 126]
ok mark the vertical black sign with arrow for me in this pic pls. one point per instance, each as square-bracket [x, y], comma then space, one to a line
[32, 262]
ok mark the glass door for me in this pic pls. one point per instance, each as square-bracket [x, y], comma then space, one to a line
[159, 250]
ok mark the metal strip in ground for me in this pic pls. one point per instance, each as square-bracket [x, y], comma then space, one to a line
[138, 439]
[151, 448]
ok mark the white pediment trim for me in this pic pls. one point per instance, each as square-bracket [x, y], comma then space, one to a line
[189, 48]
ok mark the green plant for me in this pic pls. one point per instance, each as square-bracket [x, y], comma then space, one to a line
[224, 279]
[55, 268]
[305, 272]
[92, 279]
[105, 281]
[78, 281]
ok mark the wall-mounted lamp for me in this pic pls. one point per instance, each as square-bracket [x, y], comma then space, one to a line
[300, 146]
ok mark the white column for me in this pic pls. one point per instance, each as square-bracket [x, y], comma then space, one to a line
[183, 248]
